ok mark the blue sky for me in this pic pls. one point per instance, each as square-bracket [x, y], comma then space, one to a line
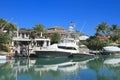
[86, 14]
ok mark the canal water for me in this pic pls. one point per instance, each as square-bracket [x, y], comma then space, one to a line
[96, 68]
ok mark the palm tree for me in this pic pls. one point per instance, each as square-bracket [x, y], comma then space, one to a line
[10, 28]
[102, 29]
[113, 28]
[32, 34]
[3, 23]
[115, 33]
[6, 38]
[38, 29]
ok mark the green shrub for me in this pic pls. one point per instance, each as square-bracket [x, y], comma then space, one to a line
[4, 47]
[96, 44]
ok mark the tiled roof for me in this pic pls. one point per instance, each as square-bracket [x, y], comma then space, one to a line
[57, 28]
[58, 31]
[102, 37]
[23, 31]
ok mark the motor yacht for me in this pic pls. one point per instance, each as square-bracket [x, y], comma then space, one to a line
[111, 49]
[66, 47]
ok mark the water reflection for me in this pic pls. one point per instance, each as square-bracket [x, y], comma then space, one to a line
[102, 68]
[112, 62]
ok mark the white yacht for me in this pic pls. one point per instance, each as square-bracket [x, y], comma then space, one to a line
[65, 48]
[111, 49]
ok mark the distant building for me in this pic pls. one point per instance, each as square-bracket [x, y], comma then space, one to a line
[57, 29]
[63, 32]
[23, 34]
[102, 37]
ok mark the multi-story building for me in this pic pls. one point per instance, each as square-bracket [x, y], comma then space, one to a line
[63, 32]
[23, 39]
[57, 29]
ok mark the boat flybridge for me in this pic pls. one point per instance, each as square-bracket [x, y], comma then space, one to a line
[68, 45]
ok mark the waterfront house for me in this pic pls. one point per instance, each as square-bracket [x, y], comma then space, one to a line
[102, 37]
[23, 39]
[57, 29]
[63, 32]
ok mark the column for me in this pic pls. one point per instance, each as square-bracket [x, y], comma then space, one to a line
[49, 43]
[20, 35]
[45, 44]
[12, 43]
[41, 34]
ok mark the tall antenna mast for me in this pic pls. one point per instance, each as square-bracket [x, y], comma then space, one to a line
[72, 25]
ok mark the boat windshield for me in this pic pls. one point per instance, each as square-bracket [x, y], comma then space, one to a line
[64, 47]
[67, 41]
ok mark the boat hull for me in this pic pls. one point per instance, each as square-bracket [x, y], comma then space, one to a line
[48, 54]
[111, 49]
[60, 54]
[3, 57]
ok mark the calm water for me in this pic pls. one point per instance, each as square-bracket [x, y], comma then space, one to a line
[102, 68]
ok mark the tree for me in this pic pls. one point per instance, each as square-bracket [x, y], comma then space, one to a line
[102, 29]
[114, 27]
[10, 27]
[23, 29]
[6, 37]
[32, 34]
[111, 32]
[94, 43]
[4, 40]
[3, 23]
[115, 36]
[38, 29]
[55, 38]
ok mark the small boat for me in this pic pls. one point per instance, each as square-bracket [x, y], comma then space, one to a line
[5, 55]
[111, 49]
[65, 48]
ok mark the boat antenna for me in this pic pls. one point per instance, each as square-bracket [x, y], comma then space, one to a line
[82, 27]
[72, 25]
